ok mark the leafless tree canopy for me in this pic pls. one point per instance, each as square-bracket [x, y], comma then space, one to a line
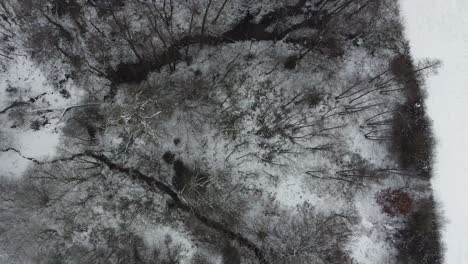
[217, 131]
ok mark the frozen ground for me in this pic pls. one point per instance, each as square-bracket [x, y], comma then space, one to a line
[439, 28]
[21, 81]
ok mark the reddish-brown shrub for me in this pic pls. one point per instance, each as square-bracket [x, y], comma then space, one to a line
[394, 202]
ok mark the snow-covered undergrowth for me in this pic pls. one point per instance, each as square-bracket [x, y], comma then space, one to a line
[219, 132]
[32, 107]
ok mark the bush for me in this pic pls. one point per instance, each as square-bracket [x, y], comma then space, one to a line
[70, 7]
[403, 68]
[169, 157]
[187, 179]
[412, 138]
[419, 241]
[291, 62]
[231, 254]
[394, 202]
[200, 258]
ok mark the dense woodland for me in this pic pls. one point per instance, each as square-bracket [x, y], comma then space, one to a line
[217, 131]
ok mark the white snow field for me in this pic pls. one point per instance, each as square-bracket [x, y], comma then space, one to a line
[29, 81]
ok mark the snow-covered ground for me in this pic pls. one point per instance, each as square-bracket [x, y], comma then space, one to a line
[21, 81]
[439, 29]
[254, 144]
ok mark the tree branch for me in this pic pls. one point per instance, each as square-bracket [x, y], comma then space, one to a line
[180, 203]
